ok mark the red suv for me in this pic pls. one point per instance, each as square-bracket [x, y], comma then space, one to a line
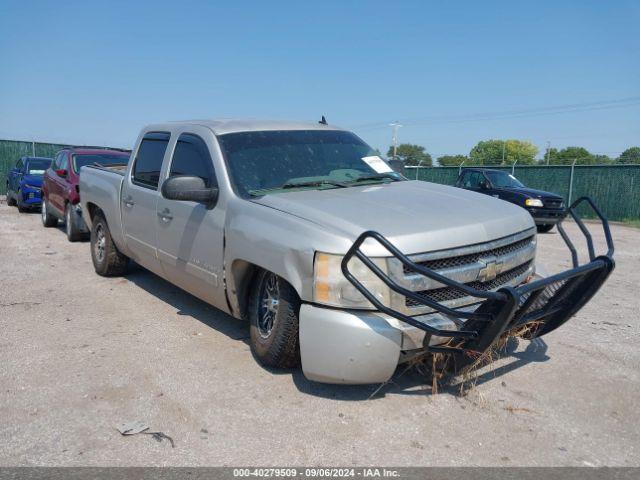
[60, 192]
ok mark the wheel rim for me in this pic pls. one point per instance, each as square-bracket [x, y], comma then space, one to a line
[44, 212]
[99, 246]
[269, 302]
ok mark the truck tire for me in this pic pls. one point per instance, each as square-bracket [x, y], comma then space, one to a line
[10, 200]
[71, 225]
[48, 220]
[273, 312]
[107, 259]
[545, 228]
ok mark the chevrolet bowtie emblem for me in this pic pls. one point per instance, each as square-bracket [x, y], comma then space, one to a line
[491, 269]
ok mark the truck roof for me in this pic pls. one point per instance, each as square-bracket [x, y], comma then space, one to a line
[223, 126]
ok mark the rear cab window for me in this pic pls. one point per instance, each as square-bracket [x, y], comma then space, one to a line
[148, 162]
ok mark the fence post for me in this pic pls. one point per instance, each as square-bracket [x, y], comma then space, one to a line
[460, 168]
[418, 168]
[571, 180]
[33, 148]
[513, 168]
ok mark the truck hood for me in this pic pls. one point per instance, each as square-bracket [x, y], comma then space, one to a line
[35, 180]
[534, 193]
[416, 216]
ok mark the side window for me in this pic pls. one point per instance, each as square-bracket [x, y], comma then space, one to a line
[474, 180]
[191, 157]
[56, 163]
[148, 161]
[64, 162]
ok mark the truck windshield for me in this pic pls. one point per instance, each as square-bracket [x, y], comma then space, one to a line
[103, 159]
[37, 167]
[503, 180]
[280, 161]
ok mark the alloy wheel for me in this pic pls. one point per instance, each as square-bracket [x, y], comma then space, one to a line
[268, 309]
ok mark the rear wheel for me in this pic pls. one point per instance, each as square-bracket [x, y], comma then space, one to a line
[545, 228]
[273, 310]
[71, 224]
[48, 220]
[107, 259]
[10, 200]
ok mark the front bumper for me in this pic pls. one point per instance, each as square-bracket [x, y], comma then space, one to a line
[31, 196]
[338, 346]
[547, 216]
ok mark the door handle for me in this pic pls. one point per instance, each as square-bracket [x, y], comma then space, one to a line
[128, 202]
[165, 215]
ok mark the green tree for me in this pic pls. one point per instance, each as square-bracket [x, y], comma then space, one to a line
[452, 160]
[492, 152]
[630, 155]
[567, 155]
[412, 155]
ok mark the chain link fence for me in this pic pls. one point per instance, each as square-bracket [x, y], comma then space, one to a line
[12, 150]
[614, 188]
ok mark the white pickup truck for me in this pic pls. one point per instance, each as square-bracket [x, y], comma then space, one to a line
[335, 260]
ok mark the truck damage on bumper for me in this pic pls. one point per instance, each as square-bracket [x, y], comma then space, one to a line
[340, 346]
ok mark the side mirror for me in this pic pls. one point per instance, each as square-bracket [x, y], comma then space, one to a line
[188, 188]
[483, 185]
[61, 172]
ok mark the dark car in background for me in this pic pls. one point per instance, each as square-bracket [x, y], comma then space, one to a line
[24, 182]
[546, 208]
[60, 193]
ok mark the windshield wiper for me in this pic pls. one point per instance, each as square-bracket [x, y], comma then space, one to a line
[378, 176]
[314, 183]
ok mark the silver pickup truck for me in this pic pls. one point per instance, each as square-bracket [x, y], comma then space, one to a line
[337, 261]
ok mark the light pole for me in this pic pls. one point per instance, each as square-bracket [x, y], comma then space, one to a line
[548, 152]
[396, 125]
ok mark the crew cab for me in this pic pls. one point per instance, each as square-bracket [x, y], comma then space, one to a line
[60, 193]
[24, 182]
[546, 208]
[336, 261]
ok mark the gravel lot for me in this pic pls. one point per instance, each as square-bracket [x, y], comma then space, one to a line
[80, 354]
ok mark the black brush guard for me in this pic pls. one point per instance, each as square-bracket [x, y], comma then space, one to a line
[545, 304]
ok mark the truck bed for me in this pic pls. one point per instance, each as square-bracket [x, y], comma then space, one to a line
[100, 189]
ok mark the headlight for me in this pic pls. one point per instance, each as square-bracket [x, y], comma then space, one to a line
[26, 185]
[533, 202]
[330, 287]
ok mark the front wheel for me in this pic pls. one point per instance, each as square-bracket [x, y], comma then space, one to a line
[107, 259]
[48, 220]
[545, 228]
[273, 311]
[10, 200]
[21, 206]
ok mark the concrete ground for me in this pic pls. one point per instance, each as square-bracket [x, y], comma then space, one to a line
[80, 354]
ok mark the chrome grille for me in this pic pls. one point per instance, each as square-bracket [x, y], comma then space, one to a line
[442, 263]
[487, 266]
[449, 293]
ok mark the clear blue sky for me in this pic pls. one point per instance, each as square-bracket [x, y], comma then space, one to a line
[96, 72]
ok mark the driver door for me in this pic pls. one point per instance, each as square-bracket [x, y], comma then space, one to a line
[190, 235]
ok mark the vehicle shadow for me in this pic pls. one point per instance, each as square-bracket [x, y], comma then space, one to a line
[188, 305]
[407, 380]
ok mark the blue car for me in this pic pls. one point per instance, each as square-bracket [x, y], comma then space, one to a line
[24, 182]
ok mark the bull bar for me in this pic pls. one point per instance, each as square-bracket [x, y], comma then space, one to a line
[546, 303]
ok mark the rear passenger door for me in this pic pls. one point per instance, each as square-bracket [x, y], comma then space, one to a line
[139, 198]
[190, 234]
